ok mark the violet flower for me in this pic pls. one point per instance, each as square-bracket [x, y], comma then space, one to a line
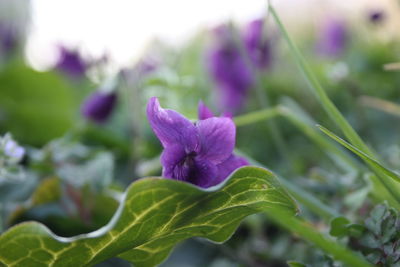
[71, 63]
[257, 46]
[8, 39]
[376, 16]
[199, 153]
[99, 106]
[229, 71]
[333, 38]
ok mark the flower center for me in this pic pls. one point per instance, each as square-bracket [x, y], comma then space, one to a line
[188, 161]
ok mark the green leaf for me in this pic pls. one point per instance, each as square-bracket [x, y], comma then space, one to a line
[339, 227]
[35, 106]
[155, 214]
[295, 264]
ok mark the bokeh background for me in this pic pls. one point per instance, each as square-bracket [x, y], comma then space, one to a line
[75, 77]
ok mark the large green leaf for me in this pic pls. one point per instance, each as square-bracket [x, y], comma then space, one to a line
[35, 106]
[155, 214]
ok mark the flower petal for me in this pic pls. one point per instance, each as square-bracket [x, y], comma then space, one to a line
[171, 127]
[204, 112]
[204, 174]
[170, 158]
[217, 139]
[228, 166]
[180, 166]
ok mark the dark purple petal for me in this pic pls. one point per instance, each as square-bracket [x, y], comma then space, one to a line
[228, 166]
[71, 63]
[217, 139]
[180, 166]
[171, 157]
[258, 47]
[204, 174]
[98, 106]
[171, 127]
[332, 38]
[204, 112]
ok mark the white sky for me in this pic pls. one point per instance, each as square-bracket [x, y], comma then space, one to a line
[124, 27]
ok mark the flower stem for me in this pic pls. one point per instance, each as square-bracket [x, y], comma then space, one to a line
[261, 94]
[338, 155]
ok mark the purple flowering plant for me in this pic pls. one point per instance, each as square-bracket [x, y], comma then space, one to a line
[258, 46]
[71, 63]
[99, 106]
[200, 153]
[74, 179]
[332, 37]
[230, 72]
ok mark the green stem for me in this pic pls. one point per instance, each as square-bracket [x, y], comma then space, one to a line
[310, 234]
[253, 117]
[331, 109]
[337, 154]
[262, 97]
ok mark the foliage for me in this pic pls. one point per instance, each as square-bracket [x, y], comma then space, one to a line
[71, 190]
[153, 216]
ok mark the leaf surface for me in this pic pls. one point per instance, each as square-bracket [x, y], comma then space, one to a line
[155, 214]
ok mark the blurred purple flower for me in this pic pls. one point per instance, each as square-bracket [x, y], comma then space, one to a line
[98, 106]
[8, 39]
[199, 153]
[146, 66]
[332, 38]
[259, 49]
[71, 63]
[229, 70]
[376, 16]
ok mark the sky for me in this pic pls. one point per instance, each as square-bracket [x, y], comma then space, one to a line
[123, 28]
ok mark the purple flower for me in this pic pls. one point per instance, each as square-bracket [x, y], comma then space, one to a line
[376, 16]
[333, 38]
[98, 106]
[257, 46]
[229, 70]
[71, 63]
[199, 153]
[8, 39]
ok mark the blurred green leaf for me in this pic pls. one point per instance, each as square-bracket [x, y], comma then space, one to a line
[339, 227]
[35, 106]
[296, 264]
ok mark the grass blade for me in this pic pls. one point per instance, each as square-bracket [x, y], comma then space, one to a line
[361, 154]
[331, 109]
